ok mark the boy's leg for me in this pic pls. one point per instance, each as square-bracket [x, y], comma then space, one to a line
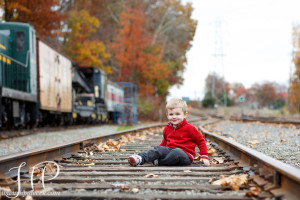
[175, 157]
[158, 152]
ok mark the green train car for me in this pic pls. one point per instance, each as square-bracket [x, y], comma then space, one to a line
[25, 85]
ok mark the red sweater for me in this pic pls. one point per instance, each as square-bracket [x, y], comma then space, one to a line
[185, 136]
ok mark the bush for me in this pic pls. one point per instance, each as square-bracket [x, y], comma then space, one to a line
[148, 108]
[208, 101]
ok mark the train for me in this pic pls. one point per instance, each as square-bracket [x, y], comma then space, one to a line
[40, 85]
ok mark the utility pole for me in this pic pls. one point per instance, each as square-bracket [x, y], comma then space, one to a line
[218, 57]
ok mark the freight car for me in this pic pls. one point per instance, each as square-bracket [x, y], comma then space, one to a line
[38, 85]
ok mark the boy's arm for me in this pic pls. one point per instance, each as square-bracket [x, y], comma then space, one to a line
[202, 146]
[164, 141]
[203, 152]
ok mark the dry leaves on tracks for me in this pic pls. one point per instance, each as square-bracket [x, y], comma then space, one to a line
[38, 171]
[233, 181]
[110, 145]
[115, 145]
[219, 160]
[124, 187]
[253, 191]
[211, 151]
[252, 143]
[150, 176]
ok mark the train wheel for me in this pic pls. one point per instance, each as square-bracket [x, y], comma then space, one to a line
[67, 119]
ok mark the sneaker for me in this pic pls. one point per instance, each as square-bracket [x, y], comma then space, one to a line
[134, 160]
[155, 162]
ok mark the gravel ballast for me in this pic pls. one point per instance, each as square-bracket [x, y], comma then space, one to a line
[281, 142]
[46, 139]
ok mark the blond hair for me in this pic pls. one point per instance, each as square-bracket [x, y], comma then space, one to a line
[176, 103]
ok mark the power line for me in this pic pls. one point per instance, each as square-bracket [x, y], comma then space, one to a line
[218, 57]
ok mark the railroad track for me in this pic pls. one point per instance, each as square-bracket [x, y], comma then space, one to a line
[273, 120]
[86, 171]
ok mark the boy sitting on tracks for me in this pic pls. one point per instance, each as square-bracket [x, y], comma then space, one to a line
[179, 141]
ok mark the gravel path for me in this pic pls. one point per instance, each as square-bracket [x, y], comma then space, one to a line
[45, 139]
[281, 142]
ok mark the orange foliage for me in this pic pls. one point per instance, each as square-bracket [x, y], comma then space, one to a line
[40, 14]
[84, 51]
[294, 95]
[139, 62]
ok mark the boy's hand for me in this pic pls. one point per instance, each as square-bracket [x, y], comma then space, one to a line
[205, 161]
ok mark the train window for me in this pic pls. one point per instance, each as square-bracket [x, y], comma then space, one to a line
[5, 32]
[20, 41]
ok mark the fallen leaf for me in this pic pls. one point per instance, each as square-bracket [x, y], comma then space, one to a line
[125, 188]
[218, 160]
[197, 157]
[236, 181]
[211, 151]
[252, 143]
[222, 181]
[253, 191]
[35, 171]
[233, 181]
[135, 190]
[187, 171]
[51, 167]
[150, 176]
[283, 140]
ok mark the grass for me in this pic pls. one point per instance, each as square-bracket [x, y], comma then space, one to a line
[123, 128]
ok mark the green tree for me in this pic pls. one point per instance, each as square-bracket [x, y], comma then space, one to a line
[208, 101]
[221, 99]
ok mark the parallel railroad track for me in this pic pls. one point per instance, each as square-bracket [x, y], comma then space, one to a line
[87, 173]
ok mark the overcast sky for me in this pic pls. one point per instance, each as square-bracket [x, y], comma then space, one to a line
[255, 36]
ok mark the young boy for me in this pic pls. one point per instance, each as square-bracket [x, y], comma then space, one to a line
[179, 141]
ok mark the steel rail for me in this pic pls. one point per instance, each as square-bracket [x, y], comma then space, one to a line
[284, 179]
[54, 152]
[274, 120]
[279, 178]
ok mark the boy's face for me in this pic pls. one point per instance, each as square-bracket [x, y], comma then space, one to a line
[176, 115]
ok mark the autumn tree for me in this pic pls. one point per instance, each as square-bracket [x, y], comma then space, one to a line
[237, 89]
[215, 84]
[172, 27]
[78, 45]
[106, 11]
[43, 15]
[265, 93]
[294, 88]
[138, 61]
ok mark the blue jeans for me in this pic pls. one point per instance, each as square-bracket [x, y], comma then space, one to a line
[166, 156]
